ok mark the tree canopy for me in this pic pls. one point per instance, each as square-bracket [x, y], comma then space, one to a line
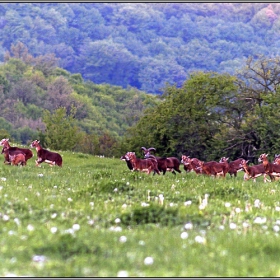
[214, 115]
[141, 45]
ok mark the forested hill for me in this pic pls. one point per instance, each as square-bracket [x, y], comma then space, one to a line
[144, 45]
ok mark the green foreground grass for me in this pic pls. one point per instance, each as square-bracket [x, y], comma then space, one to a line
[95, 218]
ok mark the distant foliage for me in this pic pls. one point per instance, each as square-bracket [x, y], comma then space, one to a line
[142, 45]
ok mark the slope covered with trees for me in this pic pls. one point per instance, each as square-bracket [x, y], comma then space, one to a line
[39, 99]
[143, 45]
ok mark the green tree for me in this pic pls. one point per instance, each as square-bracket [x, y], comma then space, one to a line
[189, 118]
[259, 87]
[61, 131]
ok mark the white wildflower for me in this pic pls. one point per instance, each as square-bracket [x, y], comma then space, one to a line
[276, 228]
[6, 218]
[221, 227]
[17, 221]
[257, 203]
[200, 239]
[232, 226]
[188, 226]
[76, 227]
[70, 231]
[227, 204]
[53, 215]
[259, 220]
[122, 273]
[116, 229]
[245, 225]
[53, 229]
[30, 228]
[148, 261]
[37, 258]
[184, 235]
[237, 210]
[123, 239]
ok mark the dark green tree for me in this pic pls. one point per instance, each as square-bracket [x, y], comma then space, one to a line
[259, 87]
[61, 131]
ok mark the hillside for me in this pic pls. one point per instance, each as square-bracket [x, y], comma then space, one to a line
[143, 45]
[33, 87]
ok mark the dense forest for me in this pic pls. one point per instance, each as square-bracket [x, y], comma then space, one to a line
[143, 45]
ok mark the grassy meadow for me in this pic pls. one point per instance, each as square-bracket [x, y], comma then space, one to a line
[95, 218]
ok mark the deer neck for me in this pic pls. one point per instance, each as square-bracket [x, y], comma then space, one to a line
[246, 169]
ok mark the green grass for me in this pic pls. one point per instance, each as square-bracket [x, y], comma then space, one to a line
[95, 218]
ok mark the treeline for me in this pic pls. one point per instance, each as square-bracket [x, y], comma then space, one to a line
[211, 115]
[143, 45]
[40, 100]
[214, 115]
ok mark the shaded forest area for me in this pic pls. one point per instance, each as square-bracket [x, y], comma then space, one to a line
[143, 45]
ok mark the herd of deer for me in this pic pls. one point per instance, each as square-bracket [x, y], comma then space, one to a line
[151, 163]
[154, 164]
[19, 156]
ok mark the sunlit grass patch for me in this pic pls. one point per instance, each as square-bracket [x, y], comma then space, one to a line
[95, 218]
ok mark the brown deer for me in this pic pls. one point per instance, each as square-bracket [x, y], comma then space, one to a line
[253, 171]
[171, 164]
[145, 165]
[18, 158]
[191, 164]
[46, 156]
[14, 150]
[271, 169]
